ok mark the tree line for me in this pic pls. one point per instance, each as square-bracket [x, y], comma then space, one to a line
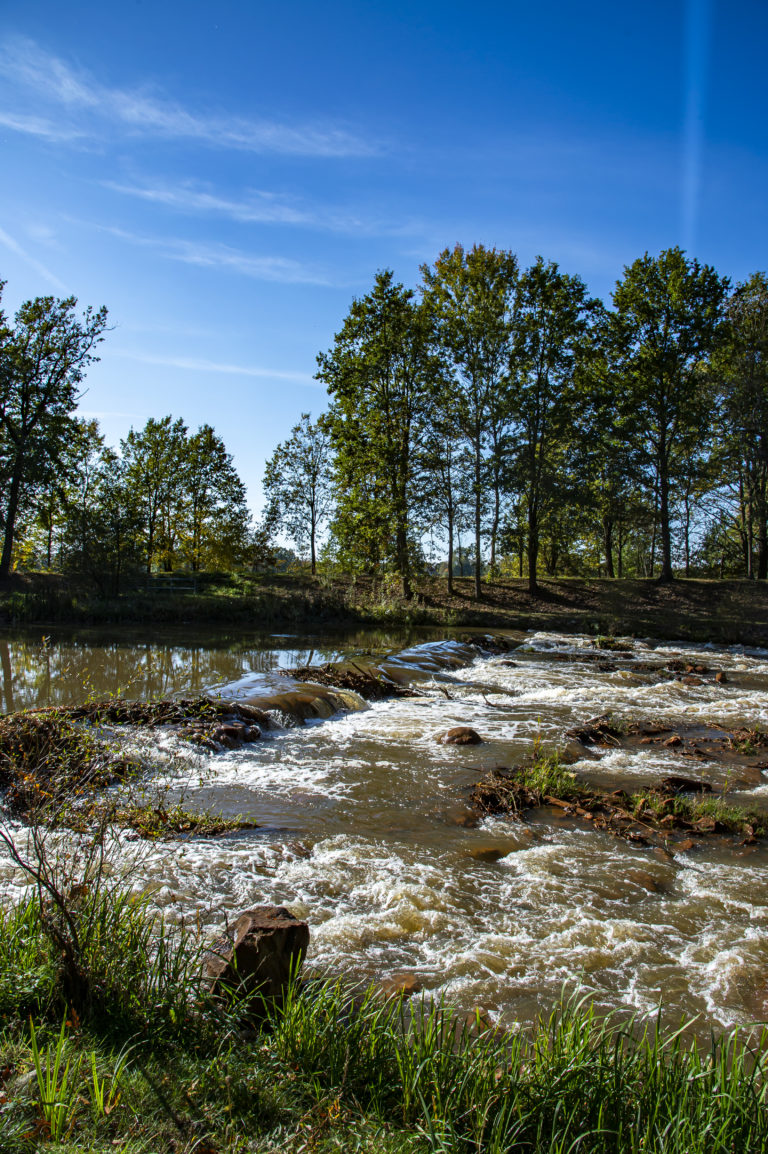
[495, 418]
[508, 406]
[167, 498]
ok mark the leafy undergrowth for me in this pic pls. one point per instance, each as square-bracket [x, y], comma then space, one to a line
[56, 763]
[159, 821]
[148, 1062]
[668, 806]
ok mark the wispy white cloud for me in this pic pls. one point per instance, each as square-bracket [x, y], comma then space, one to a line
[259, 207]
[102, 414]
[283, 270]
[147, 112]
[38, 266]
[202, 365]
[37, 126]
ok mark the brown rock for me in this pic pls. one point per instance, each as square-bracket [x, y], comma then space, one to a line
[230, 735]
[258, 956]
[403, 984]
[720, 677]
[673, 741]
[675, 784]
[691, 680]
[461, 816]
[686, 845]
[488, 853]
[459, 735]
[644, 879]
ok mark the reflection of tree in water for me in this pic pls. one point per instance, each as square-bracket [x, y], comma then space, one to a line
[40, 671]
[5, 660]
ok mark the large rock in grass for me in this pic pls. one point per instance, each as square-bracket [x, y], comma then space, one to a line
[258, 956]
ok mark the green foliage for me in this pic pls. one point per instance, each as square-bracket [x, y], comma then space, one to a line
[470, 295]
[553, 314]
[297, 485]
[43, 359]
[740, 376]
[546, 775]
[667, 321]
[378, 376]
[58, 1095]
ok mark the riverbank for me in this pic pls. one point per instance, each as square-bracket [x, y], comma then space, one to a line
[136, 1054]
[727, 612]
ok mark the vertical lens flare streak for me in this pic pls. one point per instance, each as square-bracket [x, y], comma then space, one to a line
[698, 29]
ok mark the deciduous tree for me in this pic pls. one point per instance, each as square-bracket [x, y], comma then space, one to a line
[666, 321]
[378, 374]
[297, 484]
[471, 294]
[43, 359]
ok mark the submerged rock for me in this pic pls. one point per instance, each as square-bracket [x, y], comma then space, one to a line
[488, 853]
[643, 879]
[459, 735]
[258, 957]
[403, 984]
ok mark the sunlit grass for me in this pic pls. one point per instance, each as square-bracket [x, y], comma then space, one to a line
[163, 1067]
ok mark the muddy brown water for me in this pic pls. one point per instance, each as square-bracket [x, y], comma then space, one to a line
[364, 829]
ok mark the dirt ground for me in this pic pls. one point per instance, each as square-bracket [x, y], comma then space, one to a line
[733, 611]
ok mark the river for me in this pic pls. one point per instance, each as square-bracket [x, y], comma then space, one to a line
[361, 818]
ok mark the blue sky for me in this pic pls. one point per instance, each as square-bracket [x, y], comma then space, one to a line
[226, 177]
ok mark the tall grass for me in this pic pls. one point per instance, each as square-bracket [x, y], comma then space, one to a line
[139, 970]
[342, 1069]
[571, 1083]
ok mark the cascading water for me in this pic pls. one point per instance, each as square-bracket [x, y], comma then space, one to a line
[364, 831]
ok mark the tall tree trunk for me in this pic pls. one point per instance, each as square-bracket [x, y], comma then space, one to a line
[653, 532]
[608, 545]
[401, 550]
[450, 548]
[478, 510]
[118, 559]
[495, 523]
[666, 573]
[5, 657]
[762, 531]
[10, 519]
[750, 541]
[687, 533]
[533, 548]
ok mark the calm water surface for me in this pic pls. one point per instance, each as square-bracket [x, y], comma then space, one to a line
[359, 832]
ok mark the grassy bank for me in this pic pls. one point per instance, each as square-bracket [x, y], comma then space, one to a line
[722, 611]
[120, 1047]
